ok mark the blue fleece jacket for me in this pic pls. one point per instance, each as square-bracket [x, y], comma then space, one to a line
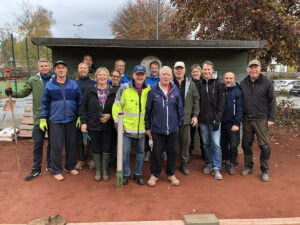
[164, 115]
[124, 79]
[151, 80]
[233, 112]
[61, 105]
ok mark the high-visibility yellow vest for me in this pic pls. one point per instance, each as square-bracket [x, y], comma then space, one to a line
[133, 105]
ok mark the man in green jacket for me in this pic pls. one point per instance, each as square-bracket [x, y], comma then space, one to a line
[190, 99]
[35, 85]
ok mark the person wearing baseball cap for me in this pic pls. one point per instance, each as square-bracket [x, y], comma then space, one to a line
[60, 103]
[259, 115]
[190, 99]
[131, 99]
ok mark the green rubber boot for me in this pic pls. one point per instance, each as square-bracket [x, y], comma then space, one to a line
[105, 162]
[97, 159]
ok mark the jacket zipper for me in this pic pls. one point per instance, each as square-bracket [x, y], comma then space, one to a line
[234, 107]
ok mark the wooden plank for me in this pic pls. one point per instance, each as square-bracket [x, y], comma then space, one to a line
[28, 108]
[25, 133]
[27, 114]
[26, 127]
[27, 120]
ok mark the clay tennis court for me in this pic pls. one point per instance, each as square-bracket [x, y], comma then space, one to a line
[80, 199]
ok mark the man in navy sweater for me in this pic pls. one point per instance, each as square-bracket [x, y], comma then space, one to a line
[60, 103]
[231, 121]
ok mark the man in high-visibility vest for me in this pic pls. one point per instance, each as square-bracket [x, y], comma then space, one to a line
[131, 99]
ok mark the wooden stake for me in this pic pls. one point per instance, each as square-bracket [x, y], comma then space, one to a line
[8, 72]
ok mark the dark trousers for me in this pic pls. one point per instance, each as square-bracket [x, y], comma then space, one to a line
[192, 146]
[161, 143]
[101, 141]
[185, 140]
[63, 134]
[259, 127]
[80, 148]
[38, 137]
[113, 152]
[229, 143]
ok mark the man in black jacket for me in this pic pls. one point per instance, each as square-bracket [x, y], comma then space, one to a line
[259, 116]
[212, 103]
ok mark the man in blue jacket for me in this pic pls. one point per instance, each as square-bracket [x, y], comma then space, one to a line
[120, 66]
[231, 121]
[61, 102]
[152, 80]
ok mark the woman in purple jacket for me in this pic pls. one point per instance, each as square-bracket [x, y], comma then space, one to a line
[164, 116]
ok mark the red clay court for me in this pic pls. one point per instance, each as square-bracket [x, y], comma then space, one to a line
[81, 199]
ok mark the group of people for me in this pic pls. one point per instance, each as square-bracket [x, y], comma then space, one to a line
[80, 114]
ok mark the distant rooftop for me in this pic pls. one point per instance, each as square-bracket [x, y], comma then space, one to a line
[116, 43]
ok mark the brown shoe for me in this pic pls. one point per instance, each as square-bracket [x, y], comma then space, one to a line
[152, 181]
[72, 172]
[59, 177]
[173, 180]
[79, 165]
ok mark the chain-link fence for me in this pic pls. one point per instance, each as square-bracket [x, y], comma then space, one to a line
[288, 107]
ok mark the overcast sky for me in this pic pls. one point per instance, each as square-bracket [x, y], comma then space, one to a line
[95, 16]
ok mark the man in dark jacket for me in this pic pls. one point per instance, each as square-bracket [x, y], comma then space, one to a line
[230, 127]
[60, 103]
[259, 116]
[212, 103]
[190, 100]
[84, 81]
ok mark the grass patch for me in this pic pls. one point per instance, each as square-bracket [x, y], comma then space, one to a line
[20, 85]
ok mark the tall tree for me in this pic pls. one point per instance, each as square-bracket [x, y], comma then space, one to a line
[137, 20]
[35, 21]
[276, 21]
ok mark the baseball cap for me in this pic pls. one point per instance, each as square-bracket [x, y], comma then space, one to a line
[139, 69]
[60, 62]
[179, 64]
[254, 62]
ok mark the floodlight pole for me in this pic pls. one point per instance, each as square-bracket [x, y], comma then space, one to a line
[78, 25]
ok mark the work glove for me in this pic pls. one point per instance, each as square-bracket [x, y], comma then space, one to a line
[85, 137]
[215, 125]
[78, 123]
[43, 124]
[8, 91]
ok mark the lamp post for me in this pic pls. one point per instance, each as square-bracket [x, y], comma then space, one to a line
[78, 25]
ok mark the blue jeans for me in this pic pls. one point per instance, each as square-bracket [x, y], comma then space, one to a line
[211, 145]
[139, 144]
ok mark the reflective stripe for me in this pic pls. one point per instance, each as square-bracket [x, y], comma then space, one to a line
[118, 102]
[133, 114]
[133, 131]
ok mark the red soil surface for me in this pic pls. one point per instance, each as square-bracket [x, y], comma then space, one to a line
[80, 199]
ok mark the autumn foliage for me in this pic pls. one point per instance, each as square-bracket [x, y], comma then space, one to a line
[276, 21]
[137, 20]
